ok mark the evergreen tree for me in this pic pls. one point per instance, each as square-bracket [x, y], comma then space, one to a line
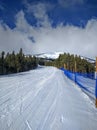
[68, 61]
[2, 62]
[13, 63]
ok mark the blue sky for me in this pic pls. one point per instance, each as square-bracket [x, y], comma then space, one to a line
[76, 12]
[65, 25]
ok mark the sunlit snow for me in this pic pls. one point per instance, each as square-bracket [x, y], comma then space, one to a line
[44, 99]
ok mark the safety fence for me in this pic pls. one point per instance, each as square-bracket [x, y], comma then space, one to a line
[86, 81]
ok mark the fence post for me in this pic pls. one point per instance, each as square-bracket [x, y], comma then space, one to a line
[64, 66]
[75, 70]
[96, 85]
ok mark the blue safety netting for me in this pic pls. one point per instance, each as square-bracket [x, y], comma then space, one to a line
[86, 81]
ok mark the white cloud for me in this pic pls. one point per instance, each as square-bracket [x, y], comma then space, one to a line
[68, 39]
[1, 6]
[21, 22]
[75, 40]
[69, 3]
[14, 39]
[39, 11]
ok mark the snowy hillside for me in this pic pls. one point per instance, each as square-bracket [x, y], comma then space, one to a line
[55, 55]
[44, 99]
[88, 59]
[52, 55]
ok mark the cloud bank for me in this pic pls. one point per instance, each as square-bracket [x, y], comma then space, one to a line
[45, 38]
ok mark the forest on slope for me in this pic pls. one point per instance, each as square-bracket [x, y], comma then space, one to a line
[14, 63]
[68, 61]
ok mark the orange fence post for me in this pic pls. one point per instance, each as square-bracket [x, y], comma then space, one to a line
[64, 66]
[96, 84]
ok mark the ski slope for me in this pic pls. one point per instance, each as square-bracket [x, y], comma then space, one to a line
[44, 99]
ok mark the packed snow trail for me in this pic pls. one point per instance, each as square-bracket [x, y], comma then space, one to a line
[44, 99]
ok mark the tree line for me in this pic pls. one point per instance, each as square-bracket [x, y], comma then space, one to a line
[14, 63]
[68, 61]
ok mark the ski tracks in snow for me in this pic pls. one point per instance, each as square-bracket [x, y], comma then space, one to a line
[43, 99]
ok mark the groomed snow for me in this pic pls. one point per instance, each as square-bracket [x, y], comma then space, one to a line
[44, 99]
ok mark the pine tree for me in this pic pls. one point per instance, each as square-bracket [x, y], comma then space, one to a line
[2, 62]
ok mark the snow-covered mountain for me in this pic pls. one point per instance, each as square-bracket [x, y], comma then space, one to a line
[51, 55]
[88, 59]
[55, 55]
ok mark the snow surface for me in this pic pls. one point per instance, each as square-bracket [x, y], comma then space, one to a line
[44, 99]
[89, 84]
